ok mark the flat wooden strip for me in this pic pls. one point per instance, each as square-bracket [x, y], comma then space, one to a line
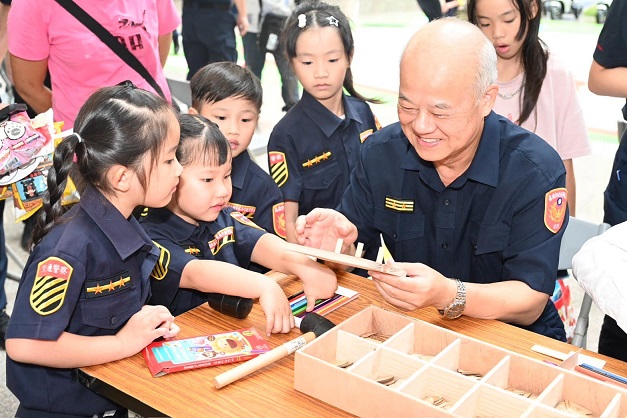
[346, 260]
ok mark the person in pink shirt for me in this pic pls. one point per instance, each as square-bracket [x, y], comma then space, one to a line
[43, 35]
[536, 91]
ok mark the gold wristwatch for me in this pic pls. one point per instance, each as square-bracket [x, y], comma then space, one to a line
[456, 308]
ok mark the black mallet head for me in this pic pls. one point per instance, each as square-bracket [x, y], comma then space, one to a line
[312, 322]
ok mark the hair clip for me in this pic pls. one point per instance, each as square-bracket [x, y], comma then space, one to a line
[333, 21]
[302, 20]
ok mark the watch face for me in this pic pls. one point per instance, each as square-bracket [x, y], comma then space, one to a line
[455, 310]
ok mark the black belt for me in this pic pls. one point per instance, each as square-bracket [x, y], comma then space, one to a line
[203, 5]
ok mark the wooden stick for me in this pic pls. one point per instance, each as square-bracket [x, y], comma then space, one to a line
[359, 250]
[262, 360]
[338, 245]
[379, 258]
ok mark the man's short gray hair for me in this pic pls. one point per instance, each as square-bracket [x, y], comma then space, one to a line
[486, 66]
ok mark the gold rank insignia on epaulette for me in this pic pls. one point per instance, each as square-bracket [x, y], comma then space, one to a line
[102, 287]
[161, 268]
[244, 220]
[50, 286]
[222, 238]
[246, 210]
[365, 134]
[278, 167]
[144, 212]
[317, 159]
[192, 251]
[399, 205]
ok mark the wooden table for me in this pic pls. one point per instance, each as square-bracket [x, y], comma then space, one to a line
[270, 391]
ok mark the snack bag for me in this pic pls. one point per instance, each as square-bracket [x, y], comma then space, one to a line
[561, 299]
[20, 140]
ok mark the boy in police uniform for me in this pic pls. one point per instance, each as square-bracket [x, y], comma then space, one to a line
[230, 96]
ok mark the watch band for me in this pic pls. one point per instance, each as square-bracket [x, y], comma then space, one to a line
[456, 308]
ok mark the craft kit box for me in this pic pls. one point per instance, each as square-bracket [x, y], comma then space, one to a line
[380, 363]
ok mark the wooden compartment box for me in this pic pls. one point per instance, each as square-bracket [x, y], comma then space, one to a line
[381, 363]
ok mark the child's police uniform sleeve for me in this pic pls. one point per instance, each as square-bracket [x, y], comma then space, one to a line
[283, 164]
[246, 234]
[165, 278]
[50, 290]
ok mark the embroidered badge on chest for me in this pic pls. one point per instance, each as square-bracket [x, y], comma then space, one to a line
[317, 159]
[278, 220]
[247, 211]
[161, 268]
[102, 287]
[50, 287]
[191, 250]
[244, 220]
[399, 205]
[278, 167]
[223, 237]
[555, 203]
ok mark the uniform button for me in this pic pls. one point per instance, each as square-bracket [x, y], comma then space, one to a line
[445, 245]
[394, 235]
[474, 246]
[325, 182]
[114, 320]
[446, 202]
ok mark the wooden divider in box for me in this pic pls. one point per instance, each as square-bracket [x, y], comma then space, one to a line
[421, 369]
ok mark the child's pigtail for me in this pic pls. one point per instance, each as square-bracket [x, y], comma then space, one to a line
[62, 163]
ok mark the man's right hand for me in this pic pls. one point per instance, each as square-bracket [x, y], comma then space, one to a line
[321, 228]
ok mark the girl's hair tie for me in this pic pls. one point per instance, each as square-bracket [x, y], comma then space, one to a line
[302, 20]
[80, 138]
[333, 21]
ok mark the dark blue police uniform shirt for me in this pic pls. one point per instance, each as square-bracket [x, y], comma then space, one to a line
[311, 151]
[487, 226]
[231, 238]
[257, 196]
[87, 276]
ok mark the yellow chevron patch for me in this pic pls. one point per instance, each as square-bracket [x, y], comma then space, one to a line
[399, 205]
[50, 287]
[278, 167]
[161, 268]
[222, 238]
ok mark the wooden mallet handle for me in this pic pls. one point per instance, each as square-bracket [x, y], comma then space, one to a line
[313, 325]
[262, 360]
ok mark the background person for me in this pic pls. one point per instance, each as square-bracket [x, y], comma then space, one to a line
[313, 148]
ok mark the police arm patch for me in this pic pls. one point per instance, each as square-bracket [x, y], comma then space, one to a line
[555, 203]
[278, 220]
[161, 268]
[278, 167]
[50, 287]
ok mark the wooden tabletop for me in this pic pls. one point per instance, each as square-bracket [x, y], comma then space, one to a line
[270, 391]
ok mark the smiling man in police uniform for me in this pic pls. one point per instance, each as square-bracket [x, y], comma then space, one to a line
[472, 206]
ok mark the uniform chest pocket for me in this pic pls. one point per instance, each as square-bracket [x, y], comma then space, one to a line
[400, 226]
[321, 176]
[489, 238]
[110, 305]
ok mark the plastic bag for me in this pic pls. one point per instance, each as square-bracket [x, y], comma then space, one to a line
[562, 301]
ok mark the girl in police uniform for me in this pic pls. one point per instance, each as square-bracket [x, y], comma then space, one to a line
[313, 149]
[207, 245]
[82, 293]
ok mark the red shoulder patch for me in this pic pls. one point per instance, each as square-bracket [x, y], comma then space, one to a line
[555, 203]
[278, 220]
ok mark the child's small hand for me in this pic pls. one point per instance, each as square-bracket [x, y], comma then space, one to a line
[150, 323]
[276, 307]
[319, 282]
